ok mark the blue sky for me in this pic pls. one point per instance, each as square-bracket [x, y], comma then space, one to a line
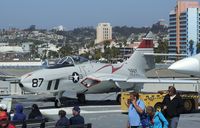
[80, 13]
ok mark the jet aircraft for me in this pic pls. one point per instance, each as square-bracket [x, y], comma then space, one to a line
[189, 66]
[80, 76]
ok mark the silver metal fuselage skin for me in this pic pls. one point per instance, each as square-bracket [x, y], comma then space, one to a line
[65, 83]
[189, 66]
[91, 77]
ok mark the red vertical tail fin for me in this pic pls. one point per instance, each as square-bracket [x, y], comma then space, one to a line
[146, 43]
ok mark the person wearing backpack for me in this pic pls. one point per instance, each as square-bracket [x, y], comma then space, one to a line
[136, 108]
[157, 119]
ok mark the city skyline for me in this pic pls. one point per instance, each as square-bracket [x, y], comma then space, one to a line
[73, 13]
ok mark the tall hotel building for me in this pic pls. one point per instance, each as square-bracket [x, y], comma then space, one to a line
[184, 28]
[104, 32]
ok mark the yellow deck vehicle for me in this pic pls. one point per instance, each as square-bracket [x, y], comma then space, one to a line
[190, 100]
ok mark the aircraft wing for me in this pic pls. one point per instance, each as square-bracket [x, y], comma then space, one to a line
[156, 80]
[121, 81]
[107, 77]
[164, 81]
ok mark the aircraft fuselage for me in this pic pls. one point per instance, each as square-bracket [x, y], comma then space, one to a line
[69, 79]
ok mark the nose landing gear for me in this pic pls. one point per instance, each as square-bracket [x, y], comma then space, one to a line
[57, 102]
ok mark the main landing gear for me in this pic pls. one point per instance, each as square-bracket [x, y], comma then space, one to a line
[81, 98]
[58, 104]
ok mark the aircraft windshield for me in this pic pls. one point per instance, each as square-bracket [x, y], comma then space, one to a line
[69, 61]
[65, 61]
[79, 59]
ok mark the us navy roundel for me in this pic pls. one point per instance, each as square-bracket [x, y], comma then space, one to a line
[75, 77]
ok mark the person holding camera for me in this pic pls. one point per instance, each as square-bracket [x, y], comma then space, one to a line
[136, 108]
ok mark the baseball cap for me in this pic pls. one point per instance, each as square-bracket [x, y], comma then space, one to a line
[76, 108]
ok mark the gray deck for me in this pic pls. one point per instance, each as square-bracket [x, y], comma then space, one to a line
[189, 121]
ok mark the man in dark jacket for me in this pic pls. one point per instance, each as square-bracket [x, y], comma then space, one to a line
[172, 107]
[63, 122]
[35, 113]
[77, 119]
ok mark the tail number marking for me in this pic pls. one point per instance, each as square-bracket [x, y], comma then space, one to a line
[37, 82]
[133, 72]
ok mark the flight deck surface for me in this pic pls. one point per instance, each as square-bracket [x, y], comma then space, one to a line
[105, 112]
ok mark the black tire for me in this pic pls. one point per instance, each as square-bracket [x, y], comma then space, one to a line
[81, 98]
[188, 105]
[118, 99]
[158, 106]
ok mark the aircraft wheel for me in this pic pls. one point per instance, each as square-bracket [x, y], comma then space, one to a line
[58, 103]
[118, 99]
[81, 98]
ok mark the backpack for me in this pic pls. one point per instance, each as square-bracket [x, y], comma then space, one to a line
[162, 123]
[145, 120]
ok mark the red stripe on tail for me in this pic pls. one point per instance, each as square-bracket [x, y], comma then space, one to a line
[146, 43]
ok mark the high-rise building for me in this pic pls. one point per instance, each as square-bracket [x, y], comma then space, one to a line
[104, 32]
[184, 28]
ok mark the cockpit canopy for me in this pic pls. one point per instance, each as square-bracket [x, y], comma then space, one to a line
[68, 61]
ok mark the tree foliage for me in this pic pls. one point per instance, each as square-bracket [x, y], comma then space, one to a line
[97, 54]
[65, 51]
[162, 48]
[191, 47]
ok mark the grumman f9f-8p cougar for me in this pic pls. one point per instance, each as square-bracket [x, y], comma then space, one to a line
[80, 76]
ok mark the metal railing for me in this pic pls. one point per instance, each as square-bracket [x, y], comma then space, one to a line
[42, 123]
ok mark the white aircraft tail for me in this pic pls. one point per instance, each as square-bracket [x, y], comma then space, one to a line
[139, 63]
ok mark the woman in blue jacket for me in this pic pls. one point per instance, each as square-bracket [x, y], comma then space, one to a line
[157, 120]
[19, 115]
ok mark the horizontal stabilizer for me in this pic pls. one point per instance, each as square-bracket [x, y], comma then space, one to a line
[164, 54]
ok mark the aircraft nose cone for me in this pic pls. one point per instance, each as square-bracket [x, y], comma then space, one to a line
[187, 65]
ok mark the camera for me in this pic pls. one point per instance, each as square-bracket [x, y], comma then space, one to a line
[129, 101]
